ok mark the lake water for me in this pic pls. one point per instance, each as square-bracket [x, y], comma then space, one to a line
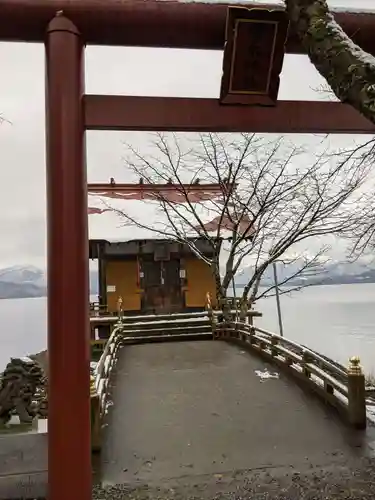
[337, 320]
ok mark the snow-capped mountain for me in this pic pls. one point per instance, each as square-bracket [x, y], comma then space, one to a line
[22, 282]
[29, 281]
[332, 272]
[23, 274]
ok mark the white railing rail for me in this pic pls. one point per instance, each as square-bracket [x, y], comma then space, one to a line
[344, 389]
[322, 362]
[105, 365]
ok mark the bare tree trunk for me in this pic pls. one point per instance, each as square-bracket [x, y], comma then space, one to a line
[220, 291]
[243, 309]
[348, 69]
[255, 289]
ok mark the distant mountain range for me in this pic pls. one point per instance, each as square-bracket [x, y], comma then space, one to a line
[331, 273]
[29, 281]
[20, 282]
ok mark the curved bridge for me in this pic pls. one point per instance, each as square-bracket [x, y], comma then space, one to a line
[178, 413]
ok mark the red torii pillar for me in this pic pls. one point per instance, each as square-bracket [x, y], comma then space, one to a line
[69, 447]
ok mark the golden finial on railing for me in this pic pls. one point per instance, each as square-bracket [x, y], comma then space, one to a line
[355, 366]
[92, 386]
[208, 301]
[119, 309]
[119, 304]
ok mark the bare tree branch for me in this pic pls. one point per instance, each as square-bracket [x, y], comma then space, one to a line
[307, 267]
[273, 197]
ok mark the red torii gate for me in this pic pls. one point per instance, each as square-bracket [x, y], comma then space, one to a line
[65, 26]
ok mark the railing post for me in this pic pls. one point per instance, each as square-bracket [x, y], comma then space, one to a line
[95, 417]
[226, 309]
[236, 333]
[306, 358]
[356, 394]
[288, 361]
[243, 310]
[209, 308]
[274, 342]
[251, 336]
[119, 309]
[250, 319]
[262, 345]
[211, 316]
[214, 326]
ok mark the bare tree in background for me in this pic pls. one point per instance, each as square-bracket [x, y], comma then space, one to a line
[350, 75]
[349, 70]
[361, 237]
[270, 202]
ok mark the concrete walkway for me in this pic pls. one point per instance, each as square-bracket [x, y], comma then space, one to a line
[194, 418]
[23, 465]
[191, 410]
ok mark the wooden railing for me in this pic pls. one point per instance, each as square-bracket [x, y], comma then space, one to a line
[97, 309]
[101, 383]
[235, 309]
[105, 366]
[343, 389]
[97, 348]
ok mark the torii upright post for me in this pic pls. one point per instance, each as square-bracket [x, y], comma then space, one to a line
[69, 450]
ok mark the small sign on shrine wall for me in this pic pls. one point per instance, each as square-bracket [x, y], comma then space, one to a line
[253, 56]
[111, 288]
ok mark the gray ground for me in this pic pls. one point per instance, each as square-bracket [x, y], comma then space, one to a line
[355, 481]
[23, 465]
[193, 420]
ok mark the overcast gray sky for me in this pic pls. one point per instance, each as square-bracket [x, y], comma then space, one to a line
[132, 71]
